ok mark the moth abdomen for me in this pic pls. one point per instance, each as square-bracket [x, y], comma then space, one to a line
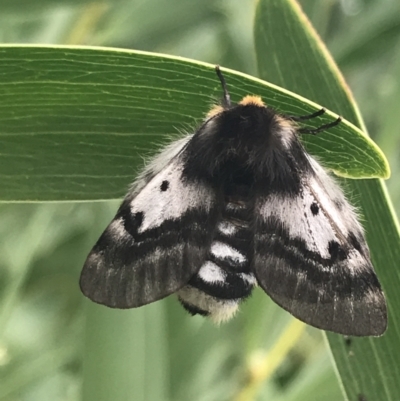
[225, 278]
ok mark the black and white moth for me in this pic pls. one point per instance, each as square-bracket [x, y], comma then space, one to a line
[240, 203]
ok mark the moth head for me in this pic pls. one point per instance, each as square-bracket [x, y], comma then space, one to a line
[249, 123]
[248, 135]
[249, 126]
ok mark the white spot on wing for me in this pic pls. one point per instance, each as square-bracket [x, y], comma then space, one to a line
[330, 224]
[292, 213]
[181, 196]
[222, 251]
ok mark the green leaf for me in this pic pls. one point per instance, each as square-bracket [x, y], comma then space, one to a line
[126, 354]
[298, 61]
[76, 122]
[16, 5]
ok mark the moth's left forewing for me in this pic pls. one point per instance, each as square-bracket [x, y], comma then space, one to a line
[156, 242]
[311, 257]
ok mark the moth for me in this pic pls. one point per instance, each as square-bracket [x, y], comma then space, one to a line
[240, 203]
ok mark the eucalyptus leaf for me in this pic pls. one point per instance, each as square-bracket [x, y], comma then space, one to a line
[76, 122]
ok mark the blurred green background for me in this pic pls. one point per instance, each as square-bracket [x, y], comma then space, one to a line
[43, 246]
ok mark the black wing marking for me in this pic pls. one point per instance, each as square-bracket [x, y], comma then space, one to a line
[312, 259]
[156, 242]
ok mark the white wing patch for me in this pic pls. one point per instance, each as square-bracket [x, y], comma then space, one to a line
[167, 197]
[314, 216]
[334, 202]
[296, 217]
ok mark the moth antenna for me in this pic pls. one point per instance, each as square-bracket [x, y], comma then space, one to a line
[226, 99]
[308, 116]
[314, 131]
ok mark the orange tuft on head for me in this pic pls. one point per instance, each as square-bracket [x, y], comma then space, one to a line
[254, 100]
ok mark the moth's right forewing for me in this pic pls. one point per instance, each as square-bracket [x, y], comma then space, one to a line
[156, 242]
[312, 259]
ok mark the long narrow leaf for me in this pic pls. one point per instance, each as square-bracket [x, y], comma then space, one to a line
[76, 122]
